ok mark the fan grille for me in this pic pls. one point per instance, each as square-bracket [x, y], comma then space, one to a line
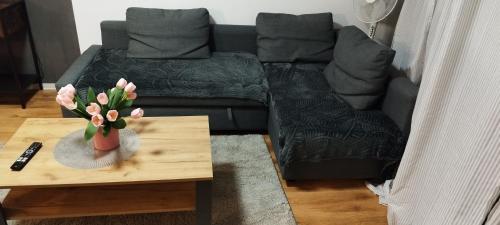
[372, 11]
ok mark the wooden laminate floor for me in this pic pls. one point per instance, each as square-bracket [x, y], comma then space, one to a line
[334, 202]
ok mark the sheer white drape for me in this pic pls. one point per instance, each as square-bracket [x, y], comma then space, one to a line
[450, 172]
[410, 37]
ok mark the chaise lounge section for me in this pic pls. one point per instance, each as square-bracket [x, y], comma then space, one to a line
[316, 135]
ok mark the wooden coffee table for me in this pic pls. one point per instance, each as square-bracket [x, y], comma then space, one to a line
[171, 171]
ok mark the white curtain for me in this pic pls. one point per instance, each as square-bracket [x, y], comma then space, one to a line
[450, 172]
[410, 37]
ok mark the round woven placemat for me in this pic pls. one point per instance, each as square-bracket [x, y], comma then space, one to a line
[73, 151]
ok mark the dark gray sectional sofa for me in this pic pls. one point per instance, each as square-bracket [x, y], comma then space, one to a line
[315, 134]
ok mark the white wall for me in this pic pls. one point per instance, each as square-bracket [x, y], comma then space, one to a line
[89, 13]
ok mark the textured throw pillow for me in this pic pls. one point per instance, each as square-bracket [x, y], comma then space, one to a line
[289, 38]
[358, 71]
[162, 33]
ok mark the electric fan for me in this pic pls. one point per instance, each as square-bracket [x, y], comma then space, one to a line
[373, 11]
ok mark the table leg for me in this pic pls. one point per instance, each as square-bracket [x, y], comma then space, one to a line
[3, 219]
[203, 202]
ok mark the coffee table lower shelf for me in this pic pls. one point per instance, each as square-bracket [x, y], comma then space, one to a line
[38, 203]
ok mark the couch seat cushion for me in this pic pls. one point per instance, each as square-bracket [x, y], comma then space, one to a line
[197, 102]
[318, 125]
[224, 75]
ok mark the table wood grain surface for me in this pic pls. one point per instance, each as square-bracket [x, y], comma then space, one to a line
[172, 149]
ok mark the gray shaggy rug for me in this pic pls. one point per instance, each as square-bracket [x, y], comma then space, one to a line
[246, 191]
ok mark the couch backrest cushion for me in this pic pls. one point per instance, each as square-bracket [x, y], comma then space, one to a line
[233, 38]
[168, 33]
[358, 72]
[291, 38]
[223, 38]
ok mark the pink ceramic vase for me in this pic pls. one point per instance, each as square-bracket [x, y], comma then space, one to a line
[112, 141]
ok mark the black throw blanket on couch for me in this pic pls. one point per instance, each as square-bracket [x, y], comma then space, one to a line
[223, 75]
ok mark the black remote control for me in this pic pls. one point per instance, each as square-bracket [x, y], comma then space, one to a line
[26, 156]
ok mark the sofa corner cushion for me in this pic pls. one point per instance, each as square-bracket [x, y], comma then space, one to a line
[358, 71]
[289, 38]
[295, 78]
[163, 33]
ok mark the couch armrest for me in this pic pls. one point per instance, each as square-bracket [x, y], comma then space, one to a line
[75, 70]
[399, 102]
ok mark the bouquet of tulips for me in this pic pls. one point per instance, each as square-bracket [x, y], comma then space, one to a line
[101, 110]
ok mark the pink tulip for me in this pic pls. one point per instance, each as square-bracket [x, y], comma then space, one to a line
[66, 96]
[67, 90]
[71, 89]
[112, 115]
[102, 98]
[137, 113]
[66, 101]
[130, 87]
[62, 91]
[93, 109]
[131, 95]
[59, 99]
[121, 83]
[97, 120]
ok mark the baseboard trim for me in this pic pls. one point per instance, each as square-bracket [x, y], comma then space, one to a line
[49, 86]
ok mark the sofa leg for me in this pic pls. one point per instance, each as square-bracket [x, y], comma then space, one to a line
[291, 182]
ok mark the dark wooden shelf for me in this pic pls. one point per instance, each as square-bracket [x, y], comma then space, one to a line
[7, 82]
[13, 19]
